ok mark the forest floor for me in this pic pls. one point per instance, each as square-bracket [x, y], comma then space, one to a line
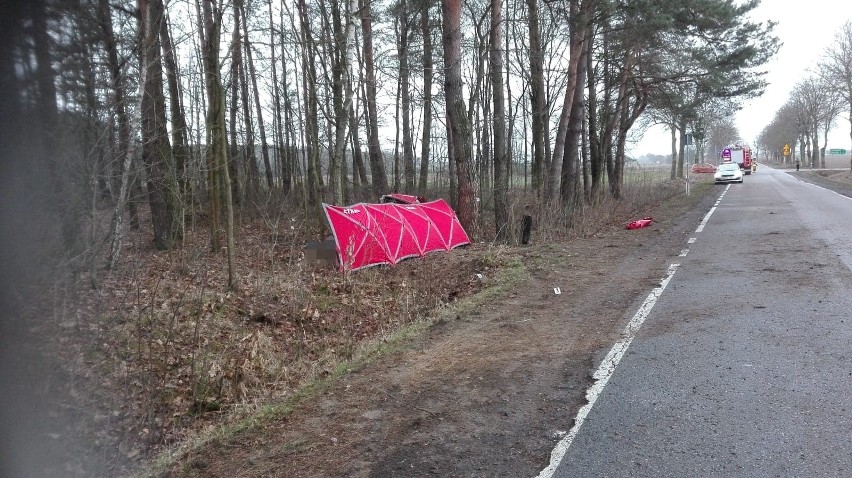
[463, 364]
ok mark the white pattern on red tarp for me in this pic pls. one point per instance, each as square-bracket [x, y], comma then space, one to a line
[370, 234]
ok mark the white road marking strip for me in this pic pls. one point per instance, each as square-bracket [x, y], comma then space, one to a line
[711, 211]
[605, 371]
[683, 253]
[692, 240]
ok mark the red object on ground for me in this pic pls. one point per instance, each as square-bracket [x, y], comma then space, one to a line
[639, 223]
[371, 234]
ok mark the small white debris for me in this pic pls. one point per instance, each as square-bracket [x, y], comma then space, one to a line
[557, 290]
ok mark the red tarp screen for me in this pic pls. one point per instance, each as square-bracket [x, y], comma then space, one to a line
[370, 234]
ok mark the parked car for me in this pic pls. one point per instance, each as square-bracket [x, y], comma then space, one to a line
[703, 168]
[728, 172]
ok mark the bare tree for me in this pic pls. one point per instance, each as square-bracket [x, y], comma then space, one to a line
[537, 95]
[425, 143]
[838, 66]
[581, 32]
[156, 152]
[404, 21]
[344, 39]
[125, 152]
[311, 113]
[180, 148]
[457, 121]
[501, 158]
[252, 74]
[377, 162]
[234, 151]
[216, 138]
[578, 42]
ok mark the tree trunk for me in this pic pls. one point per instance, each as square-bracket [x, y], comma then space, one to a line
[125, 152]
[456, 114]
[156, 151]
[674, 151]
[815, 153]
[261, 127]
[377, 162]
[584, 154]
[537, 97]
[309, 82]
[235, 151]
[576, 50]
[359, 169]
[451, 166]
[427, 100]
[681, 153]
[283, 137]
[570, 189]
[501, 159]
[509, 115]
[344, 31]
[180, 149]
[596, 159]
[405, 97]
[216, 138]
[277, 136]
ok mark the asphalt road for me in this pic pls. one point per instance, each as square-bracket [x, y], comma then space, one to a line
[743, 367]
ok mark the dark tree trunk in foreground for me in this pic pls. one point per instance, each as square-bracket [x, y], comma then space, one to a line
[156, 151]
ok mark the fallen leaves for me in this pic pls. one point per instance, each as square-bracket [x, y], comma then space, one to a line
[175, 351]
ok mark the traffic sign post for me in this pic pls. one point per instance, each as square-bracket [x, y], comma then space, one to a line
[786, 150]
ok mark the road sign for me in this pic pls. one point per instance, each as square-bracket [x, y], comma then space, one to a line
[786, 150]
[836, 151]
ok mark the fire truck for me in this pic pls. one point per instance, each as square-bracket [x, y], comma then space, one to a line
[741, 154]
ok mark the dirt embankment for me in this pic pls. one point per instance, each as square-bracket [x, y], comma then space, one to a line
[839, 181]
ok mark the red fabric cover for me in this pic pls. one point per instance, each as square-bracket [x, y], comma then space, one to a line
[369, 234]
[639, 223]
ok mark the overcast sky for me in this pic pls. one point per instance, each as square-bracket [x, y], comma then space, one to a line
[806, 29]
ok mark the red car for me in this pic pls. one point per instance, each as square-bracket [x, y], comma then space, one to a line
[703, 168]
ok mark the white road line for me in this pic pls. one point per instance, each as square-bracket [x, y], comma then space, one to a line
[712, 210]
[692, 240]
[683, 253]
[605, 371]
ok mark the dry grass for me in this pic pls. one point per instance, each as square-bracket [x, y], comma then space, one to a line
[168, 353]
